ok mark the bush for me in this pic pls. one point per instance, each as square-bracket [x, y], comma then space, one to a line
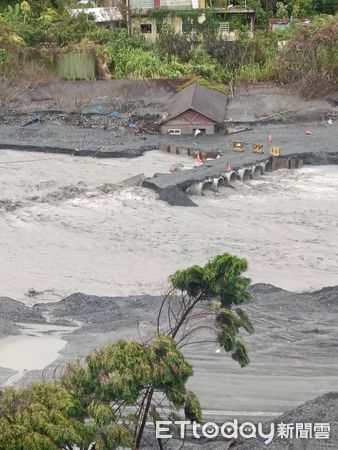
[174, 44]
[310, 56]
[3, 56]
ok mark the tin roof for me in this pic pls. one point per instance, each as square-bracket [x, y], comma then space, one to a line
[208, 102]
[100, 14]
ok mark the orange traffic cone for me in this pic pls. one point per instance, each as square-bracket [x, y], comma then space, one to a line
[228, 169]
[199, 160]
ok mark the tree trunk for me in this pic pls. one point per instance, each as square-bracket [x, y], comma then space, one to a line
[144, 420]
[232, 87]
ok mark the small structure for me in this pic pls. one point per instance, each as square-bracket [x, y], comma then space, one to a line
[77, 65]
[194, 109]
[279, 24]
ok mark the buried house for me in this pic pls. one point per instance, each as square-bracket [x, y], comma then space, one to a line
[194, 108]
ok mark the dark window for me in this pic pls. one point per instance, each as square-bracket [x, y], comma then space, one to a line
[198, 131]
[145, 28]
[188, 27]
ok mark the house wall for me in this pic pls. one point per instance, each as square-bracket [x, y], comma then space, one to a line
[153, 4]
[176, 22]
[189, 121]
[139, 21]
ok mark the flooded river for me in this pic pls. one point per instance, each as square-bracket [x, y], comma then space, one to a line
[65, 227]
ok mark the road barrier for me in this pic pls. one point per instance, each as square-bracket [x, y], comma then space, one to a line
[258, 148]
[275, 151]
[238, 146]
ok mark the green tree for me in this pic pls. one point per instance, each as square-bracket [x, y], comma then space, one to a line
[302, 8]
[26, 9]
[110, 396]
[326, 6]
[42, 417]
[127, 383]
[115, 382]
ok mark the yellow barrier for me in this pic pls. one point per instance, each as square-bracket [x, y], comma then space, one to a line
[275, 151]
[238, 146]
[258, 148]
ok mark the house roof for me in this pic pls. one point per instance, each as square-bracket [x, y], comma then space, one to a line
[208, 102]
[100, 14]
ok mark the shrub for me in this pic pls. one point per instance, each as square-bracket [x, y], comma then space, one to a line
[311, 56]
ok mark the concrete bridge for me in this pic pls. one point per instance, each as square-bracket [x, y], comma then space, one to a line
[226, 179]
[176, 188]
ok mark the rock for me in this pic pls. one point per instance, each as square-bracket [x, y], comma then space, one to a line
[175, 197]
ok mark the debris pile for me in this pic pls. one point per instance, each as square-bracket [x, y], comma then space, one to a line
[112, 121]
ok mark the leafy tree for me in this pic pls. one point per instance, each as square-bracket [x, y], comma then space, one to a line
[110, 396]
[126, 383]
[42, 417]
[326, 6]
[115, 381]
[281, 10]
[26, 9]
[301, 8]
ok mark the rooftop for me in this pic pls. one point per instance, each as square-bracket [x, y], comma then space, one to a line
[208, 102]
[100, 15]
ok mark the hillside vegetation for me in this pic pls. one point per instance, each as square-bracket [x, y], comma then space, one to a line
[34, 35]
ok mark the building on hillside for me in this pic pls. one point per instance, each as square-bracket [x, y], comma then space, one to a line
[194, 108]
[148, 17]
[103, 17]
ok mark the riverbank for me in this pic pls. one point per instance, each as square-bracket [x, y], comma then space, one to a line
[76, 117]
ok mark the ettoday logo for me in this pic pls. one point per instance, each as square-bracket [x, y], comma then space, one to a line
[246, 430]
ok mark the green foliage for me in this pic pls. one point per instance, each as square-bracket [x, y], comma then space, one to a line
[220, 278]
[303, 8]
[42, 417]
[221, 282]
[190, 18]
[130, 57]
[230, 55]
[46, 24]
[118, 374]
[109, 397]
[281, 10]
[174, 44]
[326, 6]
[3, 56]
[192, 409]
[311, 55]
[119, 371]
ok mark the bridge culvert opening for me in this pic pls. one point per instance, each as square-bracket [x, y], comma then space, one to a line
[258, 171]
[268, 167]
[246, 175]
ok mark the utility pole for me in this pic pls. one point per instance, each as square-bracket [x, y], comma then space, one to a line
[267, 10]
[128, 18]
